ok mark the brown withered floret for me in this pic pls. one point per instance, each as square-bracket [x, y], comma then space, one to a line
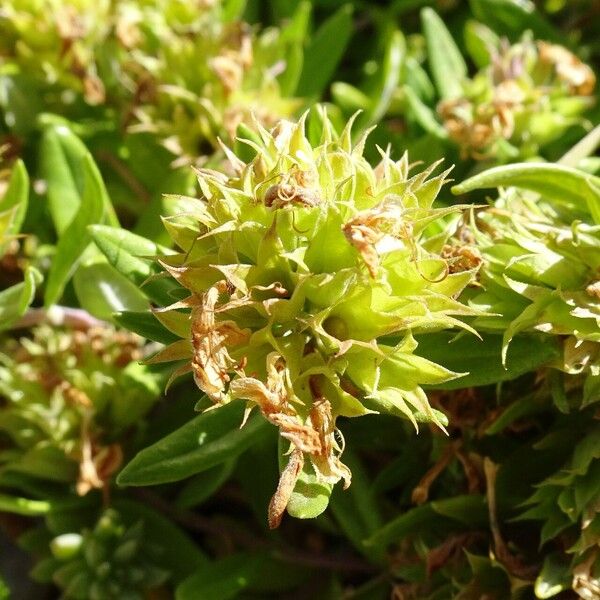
[211, 362]
[235, 59]
[315, 437]
[593, 289]
[366, 229]
[476, 128]
[326, 459]
[569, 68]
[296, 187]
[97, 463]
[461, 258]
[586, 579]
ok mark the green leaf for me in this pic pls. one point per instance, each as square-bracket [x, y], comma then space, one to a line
[482, 359]
[207, 440]
[46, 462]
[222, 579]
[146, 325]
[76, 237]
[16, 198]
[387, 81]
[555, 182]
[310, 496]
[324, 52]
[424, 115]
[554, 578]
[126, 252]
[448, 67]
[200, 487]
[415, 77]
[245, 151]
[513, 17]
[406, 523]
[233, 10]
[15, 300]
[290, 77]
[20, 99]
[174, 549]
[23, 506]
[102, 291]
[582, 150]
[356, 509]
[523, 407]
[64, 164]
[60, 154]
[349, 98]
[469, 510]
[297, 25]
[481, 42]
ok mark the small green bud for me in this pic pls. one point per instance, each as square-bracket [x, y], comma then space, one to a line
[66, 546]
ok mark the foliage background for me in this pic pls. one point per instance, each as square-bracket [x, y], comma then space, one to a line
[105, 108]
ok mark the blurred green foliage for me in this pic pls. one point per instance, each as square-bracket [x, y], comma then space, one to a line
[189, 187]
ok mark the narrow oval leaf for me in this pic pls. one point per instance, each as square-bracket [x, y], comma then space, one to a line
[60, 155]
[222, 579]
[204, 485]
[514, 17]
[63, 158]
[481, 42]
[310, 497]
[289, 78]
[387, 83]
[406, 523]
[16, 195]
[481, 358]
[582, 149]
[207, 440]
[424, 115]
[448, 67]
[15, 300]
[126, 252]
[470, 510]
[349, 98]
[144, 323]
[325, 51]
[555, 182]
[76, 237]
[103, 291]
[23, 506]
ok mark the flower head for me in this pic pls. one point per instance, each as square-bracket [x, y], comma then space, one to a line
[297, 265]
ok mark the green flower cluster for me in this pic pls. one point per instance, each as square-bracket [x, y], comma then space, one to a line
[109, 562]
[528, 96]
[69, 395]
[184, 71]
[541, 257]
[567, 505]
[309, 271]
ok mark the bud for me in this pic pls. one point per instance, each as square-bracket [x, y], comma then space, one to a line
[107, 561]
